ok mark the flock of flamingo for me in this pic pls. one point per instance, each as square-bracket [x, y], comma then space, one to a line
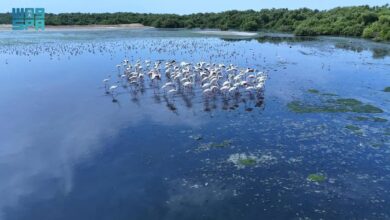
[171, 79]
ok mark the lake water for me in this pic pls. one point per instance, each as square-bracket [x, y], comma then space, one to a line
[319, 142]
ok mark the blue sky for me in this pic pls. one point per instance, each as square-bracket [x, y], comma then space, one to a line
[176, 6]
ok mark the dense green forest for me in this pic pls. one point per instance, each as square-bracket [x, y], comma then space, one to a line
[358, 21]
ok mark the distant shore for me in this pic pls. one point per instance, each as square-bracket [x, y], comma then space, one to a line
[353, 21]
[8, 27]
[230, 33]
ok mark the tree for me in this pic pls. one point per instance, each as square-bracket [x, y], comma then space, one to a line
[249, 26]
[369, 22]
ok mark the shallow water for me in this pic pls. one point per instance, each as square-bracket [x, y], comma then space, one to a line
[68, 152]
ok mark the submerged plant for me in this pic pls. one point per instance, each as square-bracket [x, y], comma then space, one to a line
[348, 102]
[360, 118]
[316, 177]
[377, 119]
[363, 118]
[243, 160]
[212, 145]
[387, 89]
[247, 161]
[329, 105]
[354, 129]
[376, 145]
[223, 144]
[329, 94]
[353, 105]
[314, 91]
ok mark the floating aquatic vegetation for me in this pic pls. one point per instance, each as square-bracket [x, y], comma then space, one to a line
[213, 145]
[223, 144]
[314, 91]
[387, 89]
[364, 118]
[247, 161]
[353, 105]
[341, 105]
[360, 118]
[376, 145]
[348, 102]
[329, 94]
[387, 132]
[378, 119]
[316, 177]
[352, 128]
[242, 160]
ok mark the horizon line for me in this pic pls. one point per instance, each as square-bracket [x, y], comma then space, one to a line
[202, 12]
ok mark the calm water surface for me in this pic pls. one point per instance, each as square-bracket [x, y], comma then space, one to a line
[67, 151]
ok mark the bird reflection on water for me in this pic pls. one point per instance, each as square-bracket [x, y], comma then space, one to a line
[174, 84]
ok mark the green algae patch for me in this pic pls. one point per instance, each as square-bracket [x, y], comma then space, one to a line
[364, 118]
[243, 160]
[348, 102]
[376, 145]
[360, 118]
[298, 107]
[329, 94]
[212, 145]
[313, 91]
[223, 144]
[387, 89]
[367, 108]
[341, 105]
[352, 127]
[316, 177]
[247, 161]
[316, 91]
[377, 119]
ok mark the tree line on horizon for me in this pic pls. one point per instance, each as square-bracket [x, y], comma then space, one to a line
[357, 21]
